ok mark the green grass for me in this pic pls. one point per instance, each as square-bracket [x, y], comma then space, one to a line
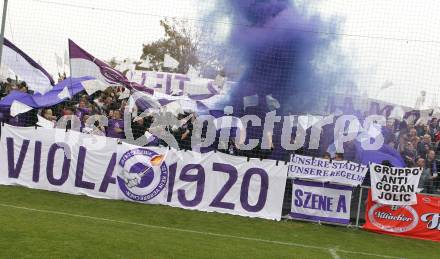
[134, 231]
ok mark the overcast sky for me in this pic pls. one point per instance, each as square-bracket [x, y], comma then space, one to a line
[395, 40]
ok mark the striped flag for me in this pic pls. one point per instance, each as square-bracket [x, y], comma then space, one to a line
[28, 70]
[84, 64]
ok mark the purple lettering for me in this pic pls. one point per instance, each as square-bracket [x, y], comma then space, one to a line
[15, 169]
[298, 200]
[264, 186]
[168, 85]
[182, 80]
[159, 76]
[144, 77]
[306, 202]
[37, 159]
[108, 177]
[199, 178]
[79, 182]
[233, 175]
[342, 204]
[50, 163]
[171, 179]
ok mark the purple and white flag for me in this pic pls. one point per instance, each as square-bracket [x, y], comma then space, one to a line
[68, 87]
[83, 63]
[28, 70]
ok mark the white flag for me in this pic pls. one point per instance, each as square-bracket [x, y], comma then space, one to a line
[272, 103]
[386, 85]
[170, 62]
[42, 122]
[5, 73]
[424, 117]
[150, 99]
[125, 94]
[122, 67]
[28, 70]
[249, 101]
[174, 107]
[192, 73]
[146, 63]
[397, 113]
[92, 86]
[59, 61]
[436, 113]
[150, 137]
[220, 81]
[18, 108]
[66, 58]
[64, 94]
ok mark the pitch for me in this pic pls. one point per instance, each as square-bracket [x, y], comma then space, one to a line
[45, 224]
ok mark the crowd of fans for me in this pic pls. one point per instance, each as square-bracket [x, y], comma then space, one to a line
[112, 103]
[418, 143]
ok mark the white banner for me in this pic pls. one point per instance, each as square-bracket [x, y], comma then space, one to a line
[56, 160]
[227, 184]
[170, 83]
[76, 163]
[321, 202]
[324, 170]
[394, 186]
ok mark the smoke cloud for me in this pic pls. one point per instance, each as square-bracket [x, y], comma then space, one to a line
[279, 51]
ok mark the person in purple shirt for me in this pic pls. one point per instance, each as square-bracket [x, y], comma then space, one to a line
[81, 110]
[116, 126]
[387, 132]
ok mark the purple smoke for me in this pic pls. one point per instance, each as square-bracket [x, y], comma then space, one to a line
[278, 46]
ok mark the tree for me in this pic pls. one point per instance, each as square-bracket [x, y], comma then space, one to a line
[113, 62]
[181, 42]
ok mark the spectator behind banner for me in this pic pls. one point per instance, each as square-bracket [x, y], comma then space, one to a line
[48, 115]
[426, 179]
[424, 146]
[115, 127]
[339, 156]
[431, 163]
[409, 154]
[82, 109]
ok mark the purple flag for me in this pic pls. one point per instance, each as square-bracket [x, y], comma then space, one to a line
[74, 86]
[83, 63]
[378, 156]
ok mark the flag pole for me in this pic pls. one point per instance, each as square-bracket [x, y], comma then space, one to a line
[2, 33]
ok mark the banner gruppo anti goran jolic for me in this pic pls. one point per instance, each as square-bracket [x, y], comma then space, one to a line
[421, 220]
[77, 163]
[394, 186]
